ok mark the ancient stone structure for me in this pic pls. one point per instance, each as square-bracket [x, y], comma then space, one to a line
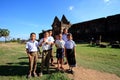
[58, 25]
[105, 29]
[97, 30]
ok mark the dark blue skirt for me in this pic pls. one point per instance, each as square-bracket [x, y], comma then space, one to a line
[60, 53]
[71, 57]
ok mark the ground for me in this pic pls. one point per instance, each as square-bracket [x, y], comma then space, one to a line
[89, 74]
[92, 64]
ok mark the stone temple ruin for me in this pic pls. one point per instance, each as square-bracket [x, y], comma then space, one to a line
[97, 30]
[105, 29]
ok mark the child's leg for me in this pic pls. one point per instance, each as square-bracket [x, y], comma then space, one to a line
[58, 62]
[30, 63]
[72, 71]
[35, 63]
[42, 61]
[71, 68]
[61, 62]
[65, 59]
[47, 60]
[51, 52]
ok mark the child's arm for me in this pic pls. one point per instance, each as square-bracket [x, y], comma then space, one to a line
[27, 51]
[64, 51]
[56, 44]
[50, 43]
[41, 42]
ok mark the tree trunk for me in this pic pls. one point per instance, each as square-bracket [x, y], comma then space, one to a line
[5, 39]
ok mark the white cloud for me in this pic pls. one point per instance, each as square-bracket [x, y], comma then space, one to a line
[71, 8]
[106, 1]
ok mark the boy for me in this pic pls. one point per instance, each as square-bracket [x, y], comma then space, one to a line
[51, 39]
[46, 47]
[70, 52]
[60, 51]
[31, 49]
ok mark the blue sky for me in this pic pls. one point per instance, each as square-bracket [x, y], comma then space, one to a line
[22, 17]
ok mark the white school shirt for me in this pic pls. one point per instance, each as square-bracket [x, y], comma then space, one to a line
[70, 44]
[51, 39]
[64, 37]
[44, 45]
[32, 46]
[60, 43]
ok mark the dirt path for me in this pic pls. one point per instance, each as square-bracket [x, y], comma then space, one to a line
[89, 74]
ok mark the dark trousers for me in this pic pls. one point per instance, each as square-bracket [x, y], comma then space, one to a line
[51, 55]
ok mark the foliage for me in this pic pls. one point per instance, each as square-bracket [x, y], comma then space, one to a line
[57, 76]
[4, 33]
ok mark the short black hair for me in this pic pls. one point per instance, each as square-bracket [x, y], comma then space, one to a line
[50, 30]
[69, 34]
[32, 33]
[65, 29]
[45, 32]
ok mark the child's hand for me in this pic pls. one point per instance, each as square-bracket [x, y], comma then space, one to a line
[46, 42]
[27, 51]
[44, 39]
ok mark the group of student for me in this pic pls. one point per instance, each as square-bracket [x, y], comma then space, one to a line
[65, 47]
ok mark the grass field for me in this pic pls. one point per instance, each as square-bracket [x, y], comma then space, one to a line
[14, 62]
[102, 59]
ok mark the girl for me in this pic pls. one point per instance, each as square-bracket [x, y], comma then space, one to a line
[70, 52]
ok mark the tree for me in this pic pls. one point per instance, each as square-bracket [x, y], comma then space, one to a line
[0, 32]
[4, 33]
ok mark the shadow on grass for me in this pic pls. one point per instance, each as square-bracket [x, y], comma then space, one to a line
[23, 58]
[12, 70]
[21, 69]
[19, 63]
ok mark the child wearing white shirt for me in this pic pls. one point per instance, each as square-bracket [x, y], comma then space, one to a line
[46, 48]
[51, 39]
[70, 52]
[31, 49]
[60, 51]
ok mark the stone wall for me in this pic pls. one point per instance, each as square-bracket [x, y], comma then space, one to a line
[106, 29]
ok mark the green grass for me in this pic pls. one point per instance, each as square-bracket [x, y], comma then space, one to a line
[14, 61]
[14, 64]
[102, 59]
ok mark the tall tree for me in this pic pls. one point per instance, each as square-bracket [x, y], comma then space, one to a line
[4, 33]
[0, 32]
